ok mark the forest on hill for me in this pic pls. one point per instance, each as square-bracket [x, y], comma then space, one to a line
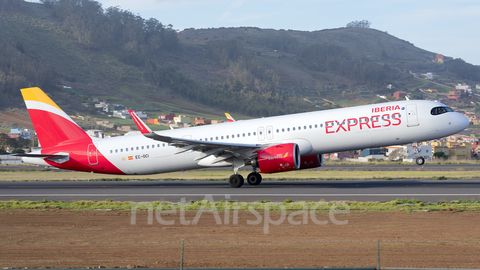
[257, 72]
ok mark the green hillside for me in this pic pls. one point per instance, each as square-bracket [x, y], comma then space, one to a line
[142, 63]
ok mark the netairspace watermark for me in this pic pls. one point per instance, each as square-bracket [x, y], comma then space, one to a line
[230, 213]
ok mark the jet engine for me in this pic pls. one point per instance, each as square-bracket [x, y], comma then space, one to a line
[278, 158]
[313, 161]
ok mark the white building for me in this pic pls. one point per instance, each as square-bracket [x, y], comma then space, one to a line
[461, 86]
[182, 119]
[95, 133]
[141, 115]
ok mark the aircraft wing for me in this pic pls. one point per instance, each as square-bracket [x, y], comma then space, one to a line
[221, 150]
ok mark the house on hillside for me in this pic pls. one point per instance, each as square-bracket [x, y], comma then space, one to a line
[182, 119]
[400, 94]
[24, 133]
[167, 117]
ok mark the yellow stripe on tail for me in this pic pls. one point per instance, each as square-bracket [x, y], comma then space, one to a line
[36, 94]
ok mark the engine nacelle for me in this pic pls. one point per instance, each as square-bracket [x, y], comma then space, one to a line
[278, 158]
[312, 161]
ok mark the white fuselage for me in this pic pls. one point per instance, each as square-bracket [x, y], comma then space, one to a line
[315, 133]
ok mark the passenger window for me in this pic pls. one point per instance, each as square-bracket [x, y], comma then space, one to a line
[293, 129]
[126, 149]
[316, 125]
[283, 130]
[288, 129]
[248, 134]
[254, 134]
[137, 148]
[148, 147]
[142, 147]
[227, 136]
[116, 150]
[222, 137]
[121, 150]
[111, 151]
[310, 126]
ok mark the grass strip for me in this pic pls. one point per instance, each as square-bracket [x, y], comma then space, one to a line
[408, 205]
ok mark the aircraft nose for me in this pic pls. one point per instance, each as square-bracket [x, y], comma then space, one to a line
[463, 121]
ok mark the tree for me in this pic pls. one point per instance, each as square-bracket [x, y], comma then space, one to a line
[439, 154]
[396, 155]
[18, 151]
[6, 141]
[359, 24]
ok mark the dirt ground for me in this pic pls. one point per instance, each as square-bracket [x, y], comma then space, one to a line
[80, 239]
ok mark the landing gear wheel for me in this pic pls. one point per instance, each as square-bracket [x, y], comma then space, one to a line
[254, 178]
[420, 161]
[236, 180]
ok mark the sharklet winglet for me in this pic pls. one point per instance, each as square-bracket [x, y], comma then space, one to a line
[144, 129]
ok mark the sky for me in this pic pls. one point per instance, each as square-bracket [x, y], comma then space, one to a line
[448, 27]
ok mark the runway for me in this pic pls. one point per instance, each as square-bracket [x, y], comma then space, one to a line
[176, 191]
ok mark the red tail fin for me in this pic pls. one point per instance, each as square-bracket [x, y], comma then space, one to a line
[53, 126]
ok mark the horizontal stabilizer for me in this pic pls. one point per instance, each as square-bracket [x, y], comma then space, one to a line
[39, 155]
[57, 158]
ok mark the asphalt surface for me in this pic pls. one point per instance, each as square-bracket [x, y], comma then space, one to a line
[175, 191]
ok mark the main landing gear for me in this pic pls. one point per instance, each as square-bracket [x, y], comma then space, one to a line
[236, 180]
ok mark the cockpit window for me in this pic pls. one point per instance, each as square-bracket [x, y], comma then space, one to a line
[440, 110]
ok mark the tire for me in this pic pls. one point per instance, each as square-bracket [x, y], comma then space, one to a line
[420, 161]
[254, 178]
[236, 180]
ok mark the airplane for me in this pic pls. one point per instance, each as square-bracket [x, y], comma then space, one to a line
[230, 118]
[269, 145]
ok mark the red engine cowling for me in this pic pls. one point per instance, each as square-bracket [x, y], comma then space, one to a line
[278, 158]
[312, 161]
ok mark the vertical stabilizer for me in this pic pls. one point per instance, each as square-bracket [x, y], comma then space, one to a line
[52, 125]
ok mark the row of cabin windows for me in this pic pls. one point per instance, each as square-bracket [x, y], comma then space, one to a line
[121, 150]
[248, 134]
[233, 136]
